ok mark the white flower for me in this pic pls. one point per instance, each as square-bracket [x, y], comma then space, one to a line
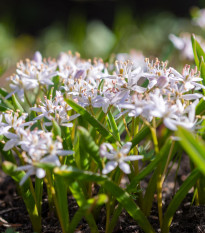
[184, 45]
[39, 147]
[117, 157]
[55, 109]
[200, 19]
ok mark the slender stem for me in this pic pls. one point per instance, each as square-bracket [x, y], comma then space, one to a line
[27, 99]
[155, 141]
[53, 193]
[125, 124]
[102, 121]
[38, 193]
[159, 196]
[91, 110]
[159, 176]
[107, 216]
[167, 162]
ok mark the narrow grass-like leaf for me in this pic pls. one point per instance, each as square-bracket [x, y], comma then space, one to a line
[78, 194]
[200, 108]
[202, 70]
[122, 197]
[29, 200]
[86, 208]
[113, 125]
[61, 197]
[197, 50]
[16, 104]
[178, 198]
[94, 122]
[38, 193]
[140, 136]
[56, 129]
[150, 167]
[89, 145]
[5, 102]
[195, 148]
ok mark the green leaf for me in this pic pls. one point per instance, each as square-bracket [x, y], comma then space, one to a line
[61, 197]
[16, 104]
[89, 145]
[100, 87]
[113, 125]
[56, 129]
[202, 70]
[78, 194]
[94, 122]
[86, 208]
[122, 197]
[56, 81]
[178, 198]
[150, 167]
[29, 200]
[200, 108]
[140, 136]
[5, 103]
[195, 148]
[197, 50]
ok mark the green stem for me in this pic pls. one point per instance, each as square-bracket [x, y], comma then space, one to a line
[159, 176]
[27, 99]
[55, 199]
[38, 193]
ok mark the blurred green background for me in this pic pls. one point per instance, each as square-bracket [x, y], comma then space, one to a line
[94, 28]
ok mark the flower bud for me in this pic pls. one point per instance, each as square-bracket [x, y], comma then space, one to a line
[37, 57]
[162, 82]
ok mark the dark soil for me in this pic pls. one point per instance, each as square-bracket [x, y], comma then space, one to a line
[188, 218]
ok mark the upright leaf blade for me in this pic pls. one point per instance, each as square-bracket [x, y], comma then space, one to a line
[90, 146]
[113, 125]
[195, 148]
[122, 197]
[140, 136]
[197, 50]
[178, 198]
[29, 200]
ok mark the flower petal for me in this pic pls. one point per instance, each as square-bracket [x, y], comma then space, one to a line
[125, 167]
[109, 167]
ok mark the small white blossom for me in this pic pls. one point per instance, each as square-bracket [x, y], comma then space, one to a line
[117, 157]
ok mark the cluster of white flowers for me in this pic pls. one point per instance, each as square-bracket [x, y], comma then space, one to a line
[37, 145]
[56, 109]
[32, 74]
[152, 90]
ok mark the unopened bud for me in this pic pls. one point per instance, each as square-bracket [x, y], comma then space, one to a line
[162, 82]
[37, 57]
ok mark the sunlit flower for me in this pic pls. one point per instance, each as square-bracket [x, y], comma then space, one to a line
[117, 157]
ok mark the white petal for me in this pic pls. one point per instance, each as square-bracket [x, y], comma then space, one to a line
[51, 159]
[109, 167]
[65, 152]
[40, 173]
[170, 124]
[69, 125]
[125, 167]
[192, 96]
[29, 173]
[133, 157]
[10, 144]
[126, 148]
[22, 168]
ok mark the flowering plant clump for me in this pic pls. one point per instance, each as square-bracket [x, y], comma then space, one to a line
[73, 123]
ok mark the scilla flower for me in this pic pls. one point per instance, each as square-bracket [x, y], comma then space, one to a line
[117, 157]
